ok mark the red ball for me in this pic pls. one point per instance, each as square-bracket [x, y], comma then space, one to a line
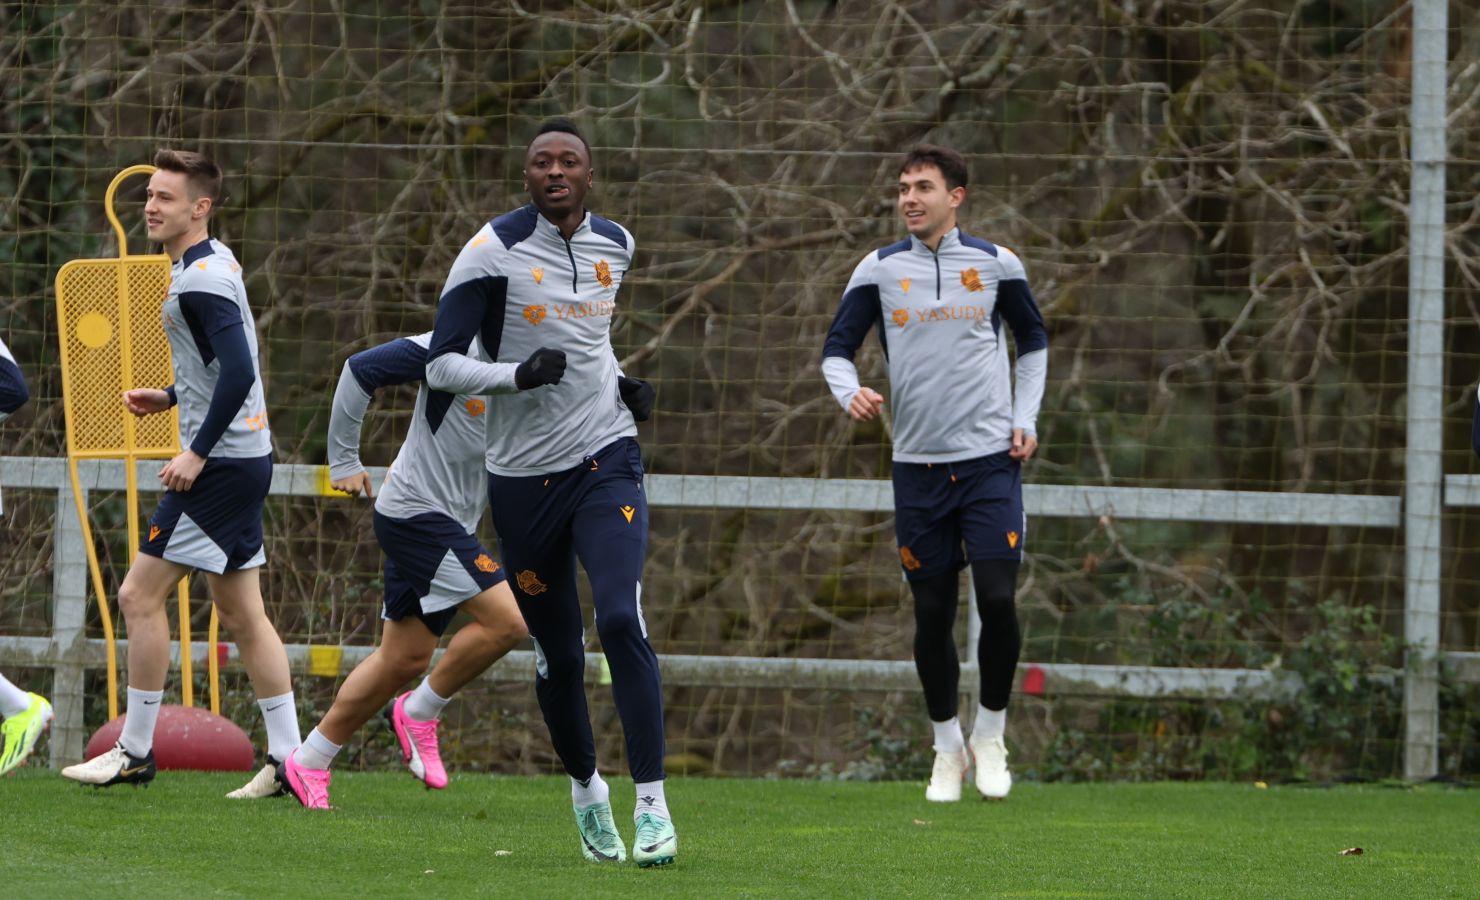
[187, 738]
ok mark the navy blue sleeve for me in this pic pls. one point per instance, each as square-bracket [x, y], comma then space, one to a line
[13, 392]
[857, 313]
[401, 361]
[219, 321]
[1015, 304]
[474, 308]
[1475, 429]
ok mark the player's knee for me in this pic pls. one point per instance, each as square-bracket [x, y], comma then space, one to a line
[134, 602]
[407, 664]
[617, 624]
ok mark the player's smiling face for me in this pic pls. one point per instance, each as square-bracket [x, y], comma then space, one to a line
[926, 205]
[169, 210]
[557, 174]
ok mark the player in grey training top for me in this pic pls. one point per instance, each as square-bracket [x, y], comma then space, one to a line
[939, 299]
[26, 715]
[211, 515]
[425, 517]
[564, 470]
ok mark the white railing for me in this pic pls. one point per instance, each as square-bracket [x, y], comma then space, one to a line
[69, 653]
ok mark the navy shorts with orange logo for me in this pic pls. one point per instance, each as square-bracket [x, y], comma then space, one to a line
[216, 526]
[432, 565]
[939, 507]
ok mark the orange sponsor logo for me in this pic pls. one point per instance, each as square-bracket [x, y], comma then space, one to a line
[565, 311]
[201, 265]
[530, 583]
[904, 285]
[534, 314]
[972, 279]
[604, 273]
[538, 273]
[901, 317]
[485, 563]
[627, 511]
[478, 241]
[476, 407]
[235, 268]
[256, 423]
[907, 559]
[1012, 539]
[153, 532]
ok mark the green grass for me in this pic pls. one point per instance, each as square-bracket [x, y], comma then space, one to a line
[389, 837]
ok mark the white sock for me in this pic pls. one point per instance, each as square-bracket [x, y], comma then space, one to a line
[141, 715]
[990, 723]
[650, 799]
[425, 704]
[281, 715]
[13, 700]
[317, 751]
[593, 790]
[948, 737]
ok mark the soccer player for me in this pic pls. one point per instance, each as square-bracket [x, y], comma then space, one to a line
[939, 298]
[25, 715]
[211, 515]
[565, 471]
[425, 518]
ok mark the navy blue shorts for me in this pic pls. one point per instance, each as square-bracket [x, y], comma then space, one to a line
[216, 526]
[938, 507]
[597, 509]
[432, 565]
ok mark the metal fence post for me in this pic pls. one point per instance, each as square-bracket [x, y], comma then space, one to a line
[1423, 463]
[69, 632]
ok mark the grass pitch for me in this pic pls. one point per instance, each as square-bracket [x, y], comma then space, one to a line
[493, 836]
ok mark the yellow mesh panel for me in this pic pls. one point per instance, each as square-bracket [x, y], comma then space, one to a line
[149, 282]
[93, 296]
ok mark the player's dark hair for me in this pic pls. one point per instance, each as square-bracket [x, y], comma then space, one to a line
[564, 126]
[951, 164]
[203, 175]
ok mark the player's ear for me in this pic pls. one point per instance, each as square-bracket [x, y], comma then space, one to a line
[958, 196]
[202, 208]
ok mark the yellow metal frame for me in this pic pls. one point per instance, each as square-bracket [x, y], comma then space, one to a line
[86, 384]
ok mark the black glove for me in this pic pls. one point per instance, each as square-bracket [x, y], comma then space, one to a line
[544, 366]
[638, 395]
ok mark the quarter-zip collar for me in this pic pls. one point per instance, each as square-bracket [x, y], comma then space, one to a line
[553, 230]
[948, 240]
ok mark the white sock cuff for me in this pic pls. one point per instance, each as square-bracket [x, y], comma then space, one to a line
[989, 722]
[317, 751]
[280, 715]
[425, 704]
[595, 790]
[948, 737]
[13, 700]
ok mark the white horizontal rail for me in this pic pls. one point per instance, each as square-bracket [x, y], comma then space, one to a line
[843, 494]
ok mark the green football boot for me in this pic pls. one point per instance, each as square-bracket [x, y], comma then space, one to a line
[21, 731]
[599, 839]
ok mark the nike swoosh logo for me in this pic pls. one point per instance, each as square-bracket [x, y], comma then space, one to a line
[651, 847]
[150, 702]
[596, 852]
[125, 773]
[275, 708]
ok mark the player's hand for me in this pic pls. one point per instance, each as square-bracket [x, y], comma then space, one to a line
[179, 474]
[638, 395]
[544, 366]
[1023, 445]
[143, 401]
[866, 404]
[358, 483]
